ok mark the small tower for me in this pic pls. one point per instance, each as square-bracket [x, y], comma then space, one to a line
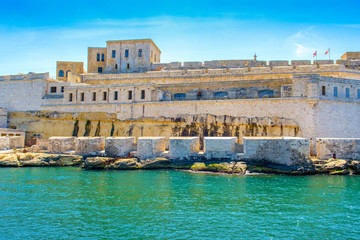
[255, 57]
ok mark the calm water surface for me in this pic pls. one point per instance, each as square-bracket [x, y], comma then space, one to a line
[69, 203]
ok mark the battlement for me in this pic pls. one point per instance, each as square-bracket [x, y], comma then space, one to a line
[29, 76]
[215, 64]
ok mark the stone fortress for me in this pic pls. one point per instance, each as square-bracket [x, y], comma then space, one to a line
[126, 91]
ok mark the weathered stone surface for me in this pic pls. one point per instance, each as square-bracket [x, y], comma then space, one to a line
[343, 148]
[89, 145]
[37, 149]
[183, 147]
[97, 162]
[219, 147]
[12, 142]
[125, 164]
[157, 163]
[277, 150]
[150, 147]
[119, 146]
[61, 144]
[337, 164]
[8, 160]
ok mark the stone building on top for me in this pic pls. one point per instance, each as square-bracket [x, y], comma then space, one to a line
[299, 98]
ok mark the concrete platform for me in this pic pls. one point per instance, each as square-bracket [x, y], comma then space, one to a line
[89, 145]
[219, 147]
[61, 144]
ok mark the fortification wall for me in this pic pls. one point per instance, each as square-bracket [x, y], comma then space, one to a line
[22, 95]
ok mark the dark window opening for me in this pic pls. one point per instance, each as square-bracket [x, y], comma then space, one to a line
[61, 73]
[127, 53]
[104, 95]
[128, 66]
[142, 94]
[99, 69]
[266, 94]
[70, 97]
[102, 57]
[358, 93]
[347, 92]
[62, 89]
[94, 96]
[221, 95]
[335, 91]
[53, 89]
[98, 57]
[115, 95]
[140, 52]
[116, 67]
[179, 96]
[82, 96]
[113, 54]
[130, 95]
[323, 91]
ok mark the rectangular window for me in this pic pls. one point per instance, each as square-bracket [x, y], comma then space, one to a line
[358, 93]
[130, 95]
[98, 57]
[70, 97]
[115, 66]
[113, 54]
[335, 91]
[102, 57]
[128, 66]
[142, 94]
[104, 95]
[140, 52]
[99, 69]
[323, 91]
[115, 95]
[127, 53]
[53, 89]
[62, 89]
[82, 96]
[94, 96]
[347, 92]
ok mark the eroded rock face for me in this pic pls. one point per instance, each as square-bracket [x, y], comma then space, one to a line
[125, 164]
[97, 162]
[39, 160]
[9, 160]
[337, 164]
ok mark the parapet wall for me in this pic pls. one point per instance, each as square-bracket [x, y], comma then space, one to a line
[3, 117]
[29, 76]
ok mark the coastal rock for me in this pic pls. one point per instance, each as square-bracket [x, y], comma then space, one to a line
[336, 164]
[67, 160]
[36, 149]
[157, 163]
[8, 160]
[97, 162]
[125, 164]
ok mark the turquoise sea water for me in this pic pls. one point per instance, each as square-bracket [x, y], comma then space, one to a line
[69, 203]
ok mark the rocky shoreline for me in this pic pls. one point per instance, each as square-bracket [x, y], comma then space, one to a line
[29, 159]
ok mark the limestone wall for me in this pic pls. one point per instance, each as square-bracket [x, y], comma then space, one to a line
[3, 117]
[343, 148]
[285, 150]
[22, 95]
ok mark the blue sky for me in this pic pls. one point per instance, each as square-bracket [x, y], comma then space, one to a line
[35, 34]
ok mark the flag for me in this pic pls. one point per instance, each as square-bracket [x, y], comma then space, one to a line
[315, 53]
[327, 51]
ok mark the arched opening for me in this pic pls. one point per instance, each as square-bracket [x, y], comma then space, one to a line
[67, 73]
[61, 73]
[179, 96]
